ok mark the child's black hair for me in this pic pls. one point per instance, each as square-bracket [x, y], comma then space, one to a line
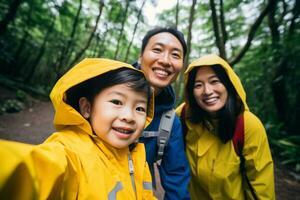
[91, 87]
[227, 116]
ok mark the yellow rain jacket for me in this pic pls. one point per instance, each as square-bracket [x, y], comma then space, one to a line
[215, 166]
[73, 163]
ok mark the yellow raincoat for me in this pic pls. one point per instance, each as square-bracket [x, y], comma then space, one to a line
[73, 163]
[215, 166]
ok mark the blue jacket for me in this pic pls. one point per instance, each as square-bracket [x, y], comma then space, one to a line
[174, 169]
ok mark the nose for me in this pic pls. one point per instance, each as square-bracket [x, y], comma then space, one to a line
[127, 114]
[207, 89]
[164, 59]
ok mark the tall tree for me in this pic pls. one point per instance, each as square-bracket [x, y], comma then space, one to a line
[177, 14]
[251, 33]
[121, 29]
[65, 49]
[81, 52]
[41, 51]
[134, 30]
[10, 15]
[283, 62]
[190, 27]
[219, 32]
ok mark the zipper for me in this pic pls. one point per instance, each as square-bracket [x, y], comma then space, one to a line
[131, 172]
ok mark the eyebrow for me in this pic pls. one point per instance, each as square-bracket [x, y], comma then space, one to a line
[210, 77]
[123, 95]
[162, 44]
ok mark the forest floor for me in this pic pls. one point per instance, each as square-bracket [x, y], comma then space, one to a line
[34, 123]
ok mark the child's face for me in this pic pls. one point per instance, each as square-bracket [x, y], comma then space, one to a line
[118, 115]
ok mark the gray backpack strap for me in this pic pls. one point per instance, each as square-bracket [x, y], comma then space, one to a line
[147, 134]
[165, 127]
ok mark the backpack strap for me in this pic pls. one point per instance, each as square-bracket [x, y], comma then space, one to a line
[238, 143]
[238, 137]
[165, 127]
[163, 132]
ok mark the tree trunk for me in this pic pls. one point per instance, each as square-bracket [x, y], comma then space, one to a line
[16, 66]
[178, 81]
[134, 30]
[40, 54]
[62, 60]
[122, 29]
[79, 54]
[179, 93]
[216, 27]
[177, 14]
[190, 27]
[10, 15]
[251, 33]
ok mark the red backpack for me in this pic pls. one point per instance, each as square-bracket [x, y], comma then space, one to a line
[238, 144]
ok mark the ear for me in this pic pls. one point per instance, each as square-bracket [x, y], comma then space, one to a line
[85, 107]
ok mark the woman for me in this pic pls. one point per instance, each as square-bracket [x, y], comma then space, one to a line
[214, 111]
[161, 60]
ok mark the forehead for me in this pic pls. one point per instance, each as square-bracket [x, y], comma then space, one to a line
[125, 90]
[165, 38]
[204, 71]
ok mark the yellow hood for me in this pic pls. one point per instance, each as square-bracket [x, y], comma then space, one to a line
[66, 115]
[212, 59]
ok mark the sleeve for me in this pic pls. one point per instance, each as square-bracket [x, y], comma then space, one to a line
[258, 159]
[174, 169]
[35, 172]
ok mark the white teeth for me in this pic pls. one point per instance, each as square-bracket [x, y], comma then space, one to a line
[161, 72]
[210, 100]
[123, 131]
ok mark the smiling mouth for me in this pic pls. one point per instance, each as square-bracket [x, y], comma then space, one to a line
[124, 131]
[210, 100]
[161, 72]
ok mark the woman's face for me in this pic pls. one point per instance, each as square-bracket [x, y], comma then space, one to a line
[209, 92]
[162, 60]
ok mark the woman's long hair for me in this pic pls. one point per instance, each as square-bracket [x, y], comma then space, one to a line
[226, 116]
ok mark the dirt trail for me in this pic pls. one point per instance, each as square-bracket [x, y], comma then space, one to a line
[34, 124]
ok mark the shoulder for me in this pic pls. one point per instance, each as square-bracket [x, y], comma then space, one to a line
[254, 129]
[252, 122]
[71, 140]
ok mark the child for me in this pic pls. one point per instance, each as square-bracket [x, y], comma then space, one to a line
[102, 107]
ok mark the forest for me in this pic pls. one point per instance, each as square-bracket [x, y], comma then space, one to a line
[41, 39]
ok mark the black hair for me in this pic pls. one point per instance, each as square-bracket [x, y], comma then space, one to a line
[178, 34]
[91, 87]
[226, 116]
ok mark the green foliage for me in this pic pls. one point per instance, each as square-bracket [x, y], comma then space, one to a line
[11, 106]
[285, 147]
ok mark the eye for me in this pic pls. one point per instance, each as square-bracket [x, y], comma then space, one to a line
[116, 102]
[141, 109]
[176, 55]
[198, 85]
[156, 50]
[215, 81]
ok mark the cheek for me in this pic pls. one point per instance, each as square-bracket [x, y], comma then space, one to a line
[197, 94]
[178, 66]
[141, 122]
